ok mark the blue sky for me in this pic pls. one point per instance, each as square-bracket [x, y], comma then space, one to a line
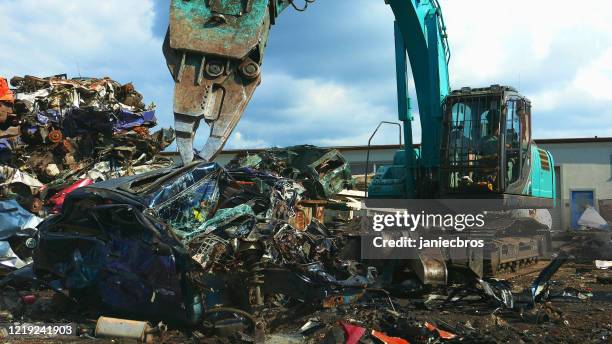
[328, 74]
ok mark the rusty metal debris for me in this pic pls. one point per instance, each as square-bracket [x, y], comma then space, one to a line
[323, 172]
[202, 224]
[59, 134]
[122, 328]
[65, 126]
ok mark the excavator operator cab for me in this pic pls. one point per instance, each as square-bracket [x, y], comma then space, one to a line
[486, 142]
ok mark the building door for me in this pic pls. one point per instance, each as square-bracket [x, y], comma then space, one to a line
[580, 201]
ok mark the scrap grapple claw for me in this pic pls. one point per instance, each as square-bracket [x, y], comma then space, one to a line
[214, 52]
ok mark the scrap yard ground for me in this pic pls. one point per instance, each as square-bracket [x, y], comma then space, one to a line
[562, 321]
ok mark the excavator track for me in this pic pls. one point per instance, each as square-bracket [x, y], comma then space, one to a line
[510, 255]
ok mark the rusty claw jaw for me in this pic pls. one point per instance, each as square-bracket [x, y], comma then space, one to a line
[212, 89]
[185, 127]
[212, 146]
[221, 106]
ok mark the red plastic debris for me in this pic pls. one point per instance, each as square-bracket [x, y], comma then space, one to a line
[388, 340]
[353, 332]
[28, 299]
[443, 334]
[5, 92]
[58, 199]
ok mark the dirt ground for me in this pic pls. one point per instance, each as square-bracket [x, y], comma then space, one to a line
[567, 321]
[561, 320]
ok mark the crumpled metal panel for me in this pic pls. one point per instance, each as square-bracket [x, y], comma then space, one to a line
[174, 184]
[13, 217]
[323, 172]
[182, 197]
[8, 258]
[57, 200]
[187, 210]
[80, 121]
[236, 222]
[10, 175]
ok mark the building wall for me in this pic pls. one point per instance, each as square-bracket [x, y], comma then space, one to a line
[357, 157]
[583, 166]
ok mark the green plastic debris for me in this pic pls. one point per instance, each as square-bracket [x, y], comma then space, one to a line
[234, 221]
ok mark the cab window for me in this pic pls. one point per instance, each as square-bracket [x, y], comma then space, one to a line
[513, 134]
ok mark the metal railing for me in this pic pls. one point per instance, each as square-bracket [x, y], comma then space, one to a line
[367, 169]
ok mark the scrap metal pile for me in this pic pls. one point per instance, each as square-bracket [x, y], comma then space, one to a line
[181, 244]
[168, 243]
[57, 131]
[57, 135]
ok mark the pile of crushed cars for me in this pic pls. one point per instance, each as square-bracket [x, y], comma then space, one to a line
[237, 254]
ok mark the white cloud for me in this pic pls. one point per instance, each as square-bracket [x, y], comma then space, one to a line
[494, 40]
[319, 111]
[238, 141]
[56, 35]
[322, 101]
[590, 85]
[595, 79]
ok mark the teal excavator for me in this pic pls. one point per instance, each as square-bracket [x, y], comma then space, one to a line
[476, 142]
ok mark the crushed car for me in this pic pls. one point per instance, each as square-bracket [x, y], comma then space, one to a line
[164, 244]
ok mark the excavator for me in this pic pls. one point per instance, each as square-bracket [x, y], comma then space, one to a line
[476, 142]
